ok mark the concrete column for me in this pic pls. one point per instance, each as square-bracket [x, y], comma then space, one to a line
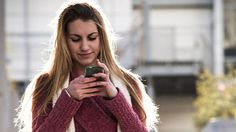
[26, 38]
[4, 91]
[8, 97]
[146, 44]
[218, 37]
[146, 30]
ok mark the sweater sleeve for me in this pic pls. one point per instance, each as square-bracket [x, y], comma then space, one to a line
[127, 116]
[56, 119]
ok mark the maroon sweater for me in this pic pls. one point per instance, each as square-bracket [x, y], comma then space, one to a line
[90, 115]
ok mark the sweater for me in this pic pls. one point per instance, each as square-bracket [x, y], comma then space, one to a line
[90, 114]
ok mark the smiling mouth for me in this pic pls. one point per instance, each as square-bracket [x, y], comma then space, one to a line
[85, 55]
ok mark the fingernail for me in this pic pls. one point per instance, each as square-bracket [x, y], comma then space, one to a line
[94, 75]
[98, 61]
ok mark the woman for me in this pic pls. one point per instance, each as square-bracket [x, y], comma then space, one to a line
[63, 99]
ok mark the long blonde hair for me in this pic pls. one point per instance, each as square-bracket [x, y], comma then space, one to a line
[61, 63]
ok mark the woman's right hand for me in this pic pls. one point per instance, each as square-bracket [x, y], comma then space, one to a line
[82, 87]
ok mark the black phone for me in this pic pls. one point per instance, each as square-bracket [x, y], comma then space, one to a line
[90, 70]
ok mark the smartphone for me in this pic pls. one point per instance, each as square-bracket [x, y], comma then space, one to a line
[90, 70]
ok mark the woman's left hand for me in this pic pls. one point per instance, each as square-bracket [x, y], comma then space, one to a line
[108, 89]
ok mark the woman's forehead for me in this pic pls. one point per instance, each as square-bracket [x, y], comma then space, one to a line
[80, 26]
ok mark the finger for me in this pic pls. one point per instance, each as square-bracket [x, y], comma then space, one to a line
[91, 85]
[93, 94]
[82, 93]
[92, 90]
[103, 66]
[102, 84]
[88, 80]
[101, 76]
[78, 79]
[83, 80]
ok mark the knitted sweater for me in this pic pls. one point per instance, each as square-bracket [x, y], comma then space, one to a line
[90, 115]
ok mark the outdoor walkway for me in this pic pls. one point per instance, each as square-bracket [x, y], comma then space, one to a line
[176, 113]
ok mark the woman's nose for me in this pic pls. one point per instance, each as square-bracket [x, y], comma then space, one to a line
[84, 45]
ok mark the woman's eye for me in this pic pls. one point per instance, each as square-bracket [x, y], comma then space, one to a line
[92, 38]
[75, 39]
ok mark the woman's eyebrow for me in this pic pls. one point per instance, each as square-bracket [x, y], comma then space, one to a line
[77, 35]
[93, 33]
[74, 35]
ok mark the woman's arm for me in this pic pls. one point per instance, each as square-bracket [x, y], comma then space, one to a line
[56, 118]
[127, 116]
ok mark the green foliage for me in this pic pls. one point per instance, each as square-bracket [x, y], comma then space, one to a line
[216, 97]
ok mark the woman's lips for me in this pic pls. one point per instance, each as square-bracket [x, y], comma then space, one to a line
[85, 55]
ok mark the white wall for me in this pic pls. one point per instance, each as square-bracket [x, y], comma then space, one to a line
[28, 34]
[179, 34]
[119, 12]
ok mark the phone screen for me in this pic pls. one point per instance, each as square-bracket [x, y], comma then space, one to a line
[90, 70]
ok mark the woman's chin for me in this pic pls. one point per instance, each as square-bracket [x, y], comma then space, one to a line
[87, 63]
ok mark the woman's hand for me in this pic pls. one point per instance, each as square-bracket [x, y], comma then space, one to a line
[108, 89]
[82, 87]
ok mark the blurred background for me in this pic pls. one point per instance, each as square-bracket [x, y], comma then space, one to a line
[168, 42]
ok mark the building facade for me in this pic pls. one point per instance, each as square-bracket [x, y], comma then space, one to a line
[165, 41]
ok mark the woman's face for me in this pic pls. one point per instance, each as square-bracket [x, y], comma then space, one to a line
[83, 42]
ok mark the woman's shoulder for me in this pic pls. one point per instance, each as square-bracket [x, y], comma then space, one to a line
[40, 80]
[42, 76]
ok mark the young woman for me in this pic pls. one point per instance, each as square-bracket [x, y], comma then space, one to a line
[62, 99]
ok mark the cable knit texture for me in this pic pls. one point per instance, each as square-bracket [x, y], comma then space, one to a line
[90, 115]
